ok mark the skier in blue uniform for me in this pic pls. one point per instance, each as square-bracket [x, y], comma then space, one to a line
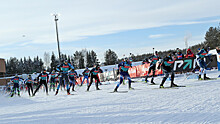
[86, 76]
[72, 78]
[167, 69]
[200, 56]
[154, 59]
[15, 81]
[63, 69]
[44, 78]
[123, 70]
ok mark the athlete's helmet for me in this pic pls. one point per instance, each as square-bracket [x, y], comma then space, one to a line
[65, 61]
[29, 76]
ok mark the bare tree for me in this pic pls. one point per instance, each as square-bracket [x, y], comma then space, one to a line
[47, 59]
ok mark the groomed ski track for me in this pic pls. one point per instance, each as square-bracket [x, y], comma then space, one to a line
[199, 102]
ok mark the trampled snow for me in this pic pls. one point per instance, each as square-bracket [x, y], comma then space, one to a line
[199, 102]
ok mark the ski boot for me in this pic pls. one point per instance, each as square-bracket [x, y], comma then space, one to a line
[73, 88]
[200, 78]
[146, 80]
[68, 92]
[56, 93]
[152, 81]
[161, 86]
[131, 88]
[206, 78]
[96, 85]
[12, 94]
[19, 95]
[163, 81]
[98, 89]
[173, 85]
[87, 89]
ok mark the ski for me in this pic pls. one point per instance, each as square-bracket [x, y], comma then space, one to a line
[202, 79]
[119, 92]
[181, 86]
[70, 94]
[167, 88]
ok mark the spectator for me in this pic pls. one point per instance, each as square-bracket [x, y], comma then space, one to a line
[189, 54]
[179, 55]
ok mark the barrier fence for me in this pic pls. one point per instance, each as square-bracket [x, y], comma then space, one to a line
[180, 65]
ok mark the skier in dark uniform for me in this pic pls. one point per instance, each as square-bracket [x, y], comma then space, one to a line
[29, 82]
[52, 80]
[86, 76]
[123, 70]
[63, 69]
[167, 69]
[44, 77]
[94, 74]
[15, 81]
[72, 78]
[201, 62]
[154, 59]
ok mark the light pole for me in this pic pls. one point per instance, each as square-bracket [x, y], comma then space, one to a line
[153, 51]
[58, 43]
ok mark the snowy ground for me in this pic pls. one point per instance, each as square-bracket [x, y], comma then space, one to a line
[199, 102]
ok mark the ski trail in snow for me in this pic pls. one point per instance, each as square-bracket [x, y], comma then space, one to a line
[198, 103]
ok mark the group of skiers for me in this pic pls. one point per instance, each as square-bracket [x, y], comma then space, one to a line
[168, 60]
[68, 73]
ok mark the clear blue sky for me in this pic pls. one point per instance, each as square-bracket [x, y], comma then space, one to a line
[125, 26]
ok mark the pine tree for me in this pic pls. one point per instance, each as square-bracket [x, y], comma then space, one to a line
[94, 59]
[89, 62]
[54, 62]
[110, 57]
[212, 37]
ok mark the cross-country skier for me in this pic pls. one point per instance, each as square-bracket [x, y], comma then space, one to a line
[72, 78]
[200, 56]
[15, 81]
[63, 69]
[52, 80]
[154, 59]
[167, 69]
[94, 74]
[44, 78]
[123, 69]
[86, 76]
[29, 81]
